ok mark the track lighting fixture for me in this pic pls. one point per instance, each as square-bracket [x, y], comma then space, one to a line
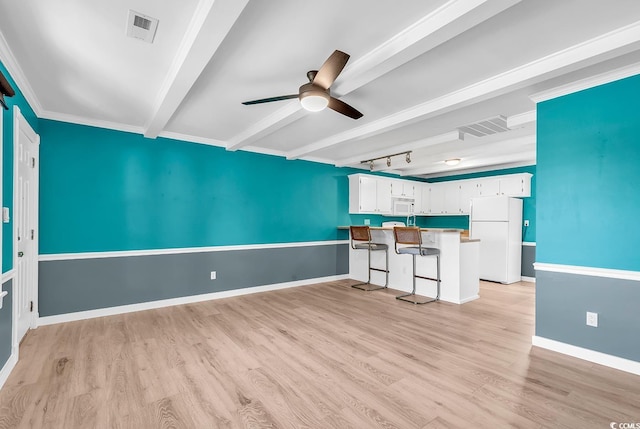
[388, 158]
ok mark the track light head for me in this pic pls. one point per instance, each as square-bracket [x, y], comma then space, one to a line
[388, 161]
[408, 158]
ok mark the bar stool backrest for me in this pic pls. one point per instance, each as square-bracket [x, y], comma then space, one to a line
[407, 235]
[360, 233]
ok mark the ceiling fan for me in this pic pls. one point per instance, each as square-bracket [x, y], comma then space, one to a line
[315, 95]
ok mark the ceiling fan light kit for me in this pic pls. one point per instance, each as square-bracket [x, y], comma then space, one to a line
[313, 98]
[315, 95]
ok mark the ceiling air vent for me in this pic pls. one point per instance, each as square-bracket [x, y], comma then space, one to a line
[486, 127]
[141, 26]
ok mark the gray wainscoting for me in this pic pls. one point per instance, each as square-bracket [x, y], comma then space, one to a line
[6, 323]
[68, 286]
[528, 258]
[562, 301]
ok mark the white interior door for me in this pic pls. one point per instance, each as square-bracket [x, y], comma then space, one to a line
[25, 212]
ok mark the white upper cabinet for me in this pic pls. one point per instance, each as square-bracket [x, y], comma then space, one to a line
[369, 194]
[423, 199]
[516, 185]
[403, 189]
[489, 187]
[436, 199]
[468, 189]
[373, 194]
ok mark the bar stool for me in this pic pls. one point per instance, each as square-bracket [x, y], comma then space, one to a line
[361, 239]
[411, 236]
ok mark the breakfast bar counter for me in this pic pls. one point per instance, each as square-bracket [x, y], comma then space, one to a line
[459, 264]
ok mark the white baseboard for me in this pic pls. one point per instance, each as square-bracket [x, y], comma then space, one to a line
[589, 355]
[122, 309]
[7, 368]
[469, 299]
[527, 279]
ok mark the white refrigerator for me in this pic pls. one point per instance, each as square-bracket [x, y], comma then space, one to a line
[496, 222]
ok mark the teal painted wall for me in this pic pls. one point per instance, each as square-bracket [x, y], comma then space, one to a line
[588, 174]
[7, 162]
[104, 190]
[588, 151]
[528, 206]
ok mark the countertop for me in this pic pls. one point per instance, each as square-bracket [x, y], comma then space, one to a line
[463, 238]
[390, 228]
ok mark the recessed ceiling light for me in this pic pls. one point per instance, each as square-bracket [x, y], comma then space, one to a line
[452, 161]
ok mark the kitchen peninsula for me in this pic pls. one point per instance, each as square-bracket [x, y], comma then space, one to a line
[459, 263]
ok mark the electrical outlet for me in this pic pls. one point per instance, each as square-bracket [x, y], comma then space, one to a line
[213, 275]
[526, 222]
[367, 221]
[592, 319]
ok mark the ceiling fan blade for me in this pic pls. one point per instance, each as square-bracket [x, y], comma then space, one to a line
[344, 108]
[269, 100]
[331, 69]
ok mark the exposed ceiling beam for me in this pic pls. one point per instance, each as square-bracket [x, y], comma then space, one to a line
[511, 150]
[521, 120]
[414, 145]
[291, 112]
[439, 26]
[491, 167]
[574, 57]
[210, 24]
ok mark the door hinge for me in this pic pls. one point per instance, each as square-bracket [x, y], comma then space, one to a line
[32, 234]
[33, 163]
[31, 306]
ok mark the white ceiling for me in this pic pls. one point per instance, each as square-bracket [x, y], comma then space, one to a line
[418, 71]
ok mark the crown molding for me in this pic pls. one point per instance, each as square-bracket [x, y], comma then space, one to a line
[14, 69]
[79, 120]
[590, 82]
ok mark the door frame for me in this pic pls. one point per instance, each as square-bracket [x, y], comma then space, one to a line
[19, 122]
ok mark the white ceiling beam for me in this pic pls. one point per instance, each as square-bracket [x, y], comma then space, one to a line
[511, 150]
[590, 82]
[576, 56]
[521, 120]
[528, 158]
[210, 24]
[492, 167]
[291, 112]
[411, 146]
[439, 26]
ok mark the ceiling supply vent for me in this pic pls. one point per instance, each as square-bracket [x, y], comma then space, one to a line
[141, 26]
[486, 127]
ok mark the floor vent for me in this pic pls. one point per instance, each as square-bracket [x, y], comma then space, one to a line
[140, 26]
[487, 127]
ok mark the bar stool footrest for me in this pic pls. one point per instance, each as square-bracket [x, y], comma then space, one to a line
[416, 299]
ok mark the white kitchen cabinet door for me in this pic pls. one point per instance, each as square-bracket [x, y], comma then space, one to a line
[423, 198]
[451, 198]
[468, 189]
[383, 196]
[436, 199]
[368, 195]
[489, 186]
[403, 188]
[518, 185]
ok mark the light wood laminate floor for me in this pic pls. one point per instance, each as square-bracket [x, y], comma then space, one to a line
[321, 356]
